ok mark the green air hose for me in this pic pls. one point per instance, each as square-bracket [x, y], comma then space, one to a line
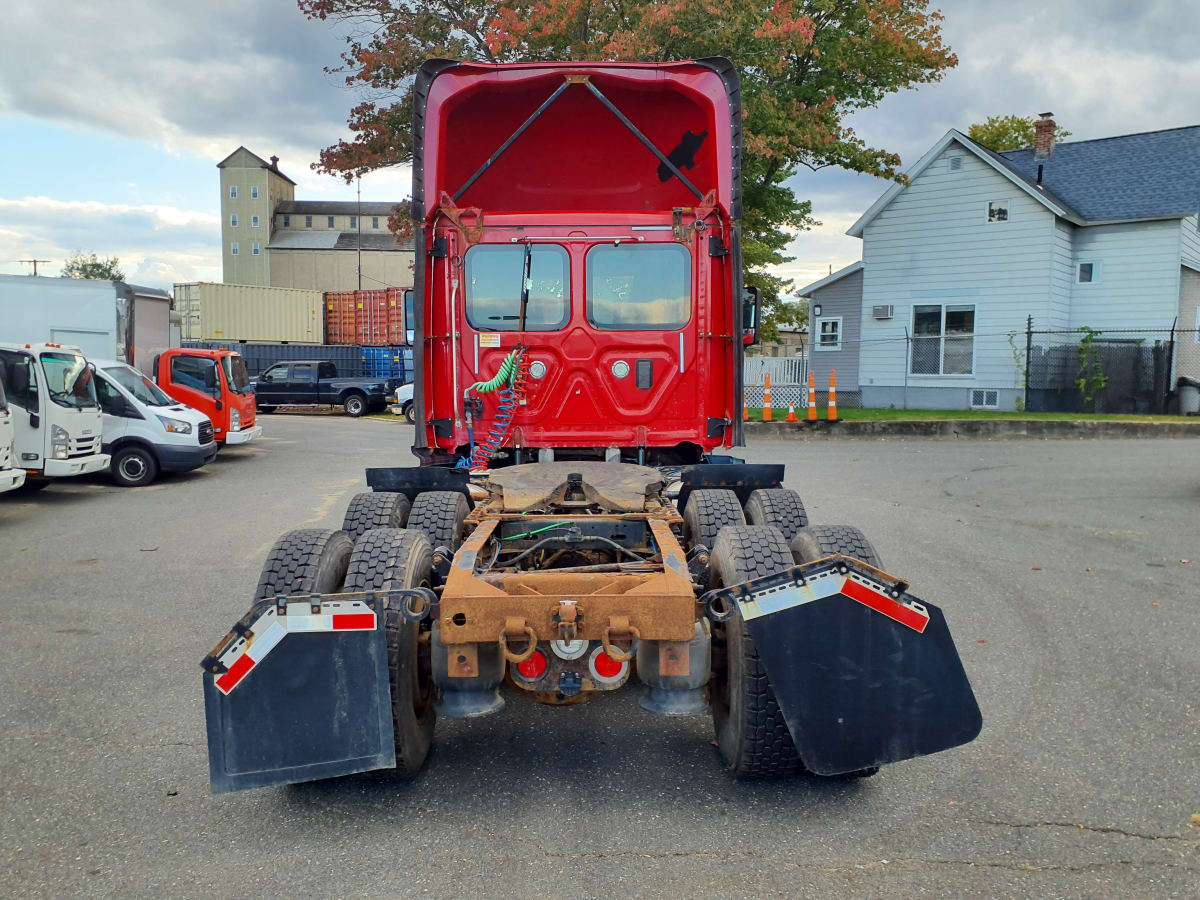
[505, 374]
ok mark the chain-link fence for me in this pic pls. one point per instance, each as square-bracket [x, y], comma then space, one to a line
[1089, 371]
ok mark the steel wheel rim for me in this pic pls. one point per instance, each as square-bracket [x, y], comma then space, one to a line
[354, 405]
[133, 467]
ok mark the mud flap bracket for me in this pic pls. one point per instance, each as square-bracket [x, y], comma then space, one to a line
[865, 674]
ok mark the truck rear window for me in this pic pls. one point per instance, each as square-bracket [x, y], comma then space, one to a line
[638, 288]
[493, 291]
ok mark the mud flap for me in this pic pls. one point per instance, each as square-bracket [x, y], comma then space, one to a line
[298, 692]
[864, 673]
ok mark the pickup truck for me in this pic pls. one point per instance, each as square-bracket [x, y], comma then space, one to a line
[315, 382]
[402, 402]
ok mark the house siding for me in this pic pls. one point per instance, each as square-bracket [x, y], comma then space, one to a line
[1189, 240]
[1187, 355]
[933, 244]
[842, 299]
[1139, 281]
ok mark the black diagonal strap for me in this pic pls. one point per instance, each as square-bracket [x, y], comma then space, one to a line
[516, 134]
[645, 140]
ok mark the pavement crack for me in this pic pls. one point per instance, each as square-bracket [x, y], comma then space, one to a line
[1093, 829]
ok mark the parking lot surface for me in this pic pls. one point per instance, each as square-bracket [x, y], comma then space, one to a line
[1059, 565]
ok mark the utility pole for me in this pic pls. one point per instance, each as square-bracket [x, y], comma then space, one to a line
[35, 264]
[358, 221]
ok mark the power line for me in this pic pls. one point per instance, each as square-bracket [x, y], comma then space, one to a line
[35, 263]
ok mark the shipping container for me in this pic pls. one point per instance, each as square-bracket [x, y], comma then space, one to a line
[374, 317]
[249, 313]
[260, 357]
[388, 362]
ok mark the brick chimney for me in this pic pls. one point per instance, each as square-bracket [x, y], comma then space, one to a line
[1043, 136]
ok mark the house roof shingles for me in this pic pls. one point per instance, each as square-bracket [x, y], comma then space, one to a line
[1151, 175]
[334, 240]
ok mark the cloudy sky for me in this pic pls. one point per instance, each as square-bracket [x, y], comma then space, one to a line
[113, 115]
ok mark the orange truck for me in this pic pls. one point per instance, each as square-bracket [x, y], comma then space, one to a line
[217, 384]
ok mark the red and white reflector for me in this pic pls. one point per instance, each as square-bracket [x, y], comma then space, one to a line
[830, 583]
[270, 628]
[606, 670]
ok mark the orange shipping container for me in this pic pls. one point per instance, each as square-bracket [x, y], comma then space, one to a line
[370, 317]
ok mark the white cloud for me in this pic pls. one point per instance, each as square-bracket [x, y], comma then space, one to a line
[157, 245]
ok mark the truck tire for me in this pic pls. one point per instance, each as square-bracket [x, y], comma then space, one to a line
[778, 507]
[390, 559]
[355, 405]
[307, 561]
[133, 466]
[440, 514]
[410, 413]
[375, 509]
[752, 736]
[706, 513]
[33, 485]
[266, 409]
[825, 540]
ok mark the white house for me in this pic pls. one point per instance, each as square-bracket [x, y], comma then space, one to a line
[1103, 234]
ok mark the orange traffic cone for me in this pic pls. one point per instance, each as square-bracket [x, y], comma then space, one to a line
[812, 397]
[745, 412]
[832, 414]
[767, 397]
[791, 417]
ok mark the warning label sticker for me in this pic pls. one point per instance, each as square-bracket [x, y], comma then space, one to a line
[489, 339]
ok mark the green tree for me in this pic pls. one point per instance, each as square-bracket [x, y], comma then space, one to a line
[88, 265]
[1009, 132]
[805, 66]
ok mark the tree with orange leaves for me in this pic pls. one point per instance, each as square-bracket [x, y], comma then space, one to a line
[805, 66]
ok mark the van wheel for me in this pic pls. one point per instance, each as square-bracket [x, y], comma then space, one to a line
[134, 467]
[355, 405]
[410, 413]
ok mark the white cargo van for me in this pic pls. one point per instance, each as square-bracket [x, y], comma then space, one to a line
[145, 431]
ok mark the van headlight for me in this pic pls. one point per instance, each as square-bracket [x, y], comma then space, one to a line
[235, 420]
[60, 442]
[176, 426]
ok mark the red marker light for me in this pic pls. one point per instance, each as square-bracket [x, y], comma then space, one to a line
[606, 666]
[534, 667]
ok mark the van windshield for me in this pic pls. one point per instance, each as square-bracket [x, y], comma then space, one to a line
[139, 385]
[236, 375]
[69, 380]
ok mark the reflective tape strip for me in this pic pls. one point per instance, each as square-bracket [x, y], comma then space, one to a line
[881, 603]
[787, 596]
[354, 622]
[269, 629]
[229, 680]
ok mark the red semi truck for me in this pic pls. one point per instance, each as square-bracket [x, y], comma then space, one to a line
[580, 325]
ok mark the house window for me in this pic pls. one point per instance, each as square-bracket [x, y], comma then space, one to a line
[308, 221]
[985, 399]
[829, 333]
[374, 221]
[254, 249]
[329, 222]
[233, 249]
[943, 341]
[254, 221]
[287, 221]
[997, 210]
[233, 192]
[354, 221]
[233, 220]
[1088, 272]
[254, 192]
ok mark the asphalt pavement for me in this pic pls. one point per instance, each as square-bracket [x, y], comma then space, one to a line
[1059, 565]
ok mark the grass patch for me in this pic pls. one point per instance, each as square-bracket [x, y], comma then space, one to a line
[896, 415]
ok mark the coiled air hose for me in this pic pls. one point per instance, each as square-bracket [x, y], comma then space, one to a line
[508, 384]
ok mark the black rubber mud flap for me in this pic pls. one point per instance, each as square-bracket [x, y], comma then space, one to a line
[864, 673]
[316, 705]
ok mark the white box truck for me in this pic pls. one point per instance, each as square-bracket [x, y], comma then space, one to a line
[55, 414]
[11, 477]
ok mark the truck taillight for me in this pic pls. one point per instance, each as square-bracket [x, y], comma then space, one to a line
[534, 667]
[605, 669]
